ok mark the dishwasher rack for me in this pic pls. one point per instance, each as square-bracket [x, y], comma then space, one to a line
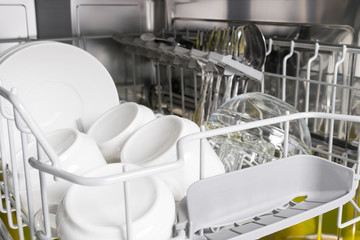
[324, 77]
[19, 119]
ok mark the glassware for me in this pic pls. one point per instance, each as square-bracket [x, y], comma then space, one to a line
[259, 145]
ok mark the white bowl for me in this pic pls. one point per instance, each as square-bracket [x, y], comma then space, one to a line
[114, 127]
[99, 213]
[77, 152]
[155, 143]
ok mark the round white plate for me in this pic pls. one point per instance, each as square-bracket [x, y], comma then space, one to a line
[61, 85]
[17, 47]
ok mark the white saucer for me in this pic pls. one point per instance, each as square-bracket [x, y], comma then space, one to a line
[17, 47]
[61, 85]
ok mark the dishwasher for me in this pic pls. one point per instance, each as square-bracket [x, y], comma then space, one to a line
[155, 55]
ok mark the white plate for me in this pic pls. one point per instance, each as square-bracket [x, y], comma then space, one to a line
[61, 85]
[11, 50]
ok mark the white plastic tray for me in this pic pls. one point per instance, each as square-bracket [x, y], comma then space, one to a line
[259, 199]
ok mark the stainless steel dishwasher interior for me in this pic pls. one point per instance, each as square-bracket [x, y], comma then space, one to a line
[295, 32]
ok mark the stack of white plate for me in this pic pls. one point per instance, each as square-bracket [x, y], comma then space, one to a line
[62, 86]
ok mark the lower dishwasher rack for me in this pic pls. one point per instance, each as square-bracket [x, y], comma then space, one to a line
[329, 104]
[242, 200]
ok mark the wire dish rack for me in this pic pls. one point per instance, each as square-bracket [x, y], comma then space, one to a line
[200, 209]
[319, 80]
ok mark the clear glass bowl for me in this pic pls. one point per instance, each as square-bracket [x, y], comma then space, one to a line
[252, 147]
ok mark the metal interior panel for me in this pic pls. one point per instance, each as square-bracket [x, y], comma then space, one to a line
[332, 12]
[17, 20]
[325, 20]
[110, 54]
[94, 17]
[53, 19]
[106, 17]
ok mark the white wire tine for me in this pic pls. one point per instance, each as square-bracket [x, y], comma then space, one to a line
[134, 75]
[284, 69]
[5, 111]
[296, 94]
[129, 226]
[182, 85]
[28, 184]
[320, 226]
[263, 67]
[286, 137]
[358, 158]
[195, 88]
[262, 84]
[169, 76]
[8, 207]
[333, 102]
[270, 47]
[350, 222]
[20, 124]
[202, 155]
[317, 121]
[3, 162]
[14, 170]
[44, 204]
[308, 71]
[235, 89]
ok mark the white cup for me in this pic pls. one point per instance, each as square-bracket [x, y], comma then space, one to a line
[77, 153]
[99, 212]
[114, 127]
[155, 143]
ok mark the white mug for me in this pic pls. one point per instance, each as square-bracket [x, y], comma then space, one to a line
[114, 127]
[155, 143]
[98, 212]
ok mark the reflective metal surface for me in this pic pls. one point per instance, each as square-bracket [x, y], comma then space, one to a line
[106, 17]
[100, 17]
[333, 12]
[254, 39]
[328, 21]
[323, 21]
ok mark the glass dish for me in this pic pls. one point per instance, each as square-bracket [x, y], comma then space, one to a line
[259, 145]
